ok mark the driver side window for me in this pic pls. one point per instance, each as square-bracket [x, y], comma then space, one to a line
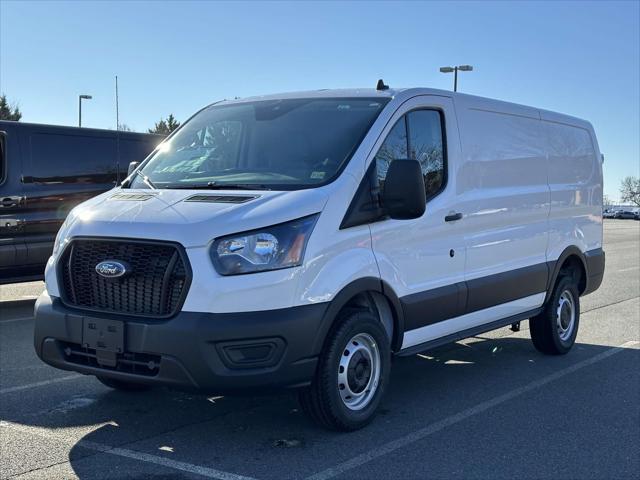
[418, 135]
[395, 147]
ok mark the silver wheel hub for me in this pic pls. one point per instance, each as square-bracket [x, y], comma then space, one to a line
[566, 315]
[359, 371]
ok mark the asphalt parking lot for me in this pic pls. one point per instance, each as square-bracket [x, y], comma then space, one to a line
[488, 407]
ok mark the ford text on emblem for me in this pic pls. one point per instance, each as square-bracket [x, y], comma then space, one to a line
[112, 268]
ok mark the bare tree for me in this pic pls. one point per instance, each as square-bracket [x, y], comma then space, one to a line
[606, 201]
[630, 190]
[123, 127]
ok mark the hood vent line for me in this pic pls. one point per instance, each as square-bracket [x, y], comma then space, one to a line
[221, 198]
[134, 197]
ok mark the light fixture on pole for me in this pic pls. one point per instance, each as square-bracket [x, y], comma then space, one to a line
[462, 68]
[80, 98]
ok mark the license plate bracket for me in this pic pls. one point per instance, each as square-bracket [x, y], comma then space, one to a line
[104, 336]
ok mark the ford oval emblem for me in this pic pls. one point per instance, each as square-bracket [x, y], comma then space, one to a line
[112, 268]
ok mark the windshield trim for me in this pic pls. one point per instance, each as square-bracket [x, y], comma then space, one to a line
[384, 101]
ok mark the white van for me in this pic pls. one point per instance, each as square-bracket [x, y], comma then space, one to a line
[300, 240]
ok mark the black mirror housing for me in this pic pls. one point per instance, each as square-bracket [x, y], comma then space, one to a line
[132, 167]
[403, 195]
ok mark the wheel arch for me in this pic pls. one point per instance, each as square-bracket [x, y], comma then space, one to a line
[371, 292]
[570, 258]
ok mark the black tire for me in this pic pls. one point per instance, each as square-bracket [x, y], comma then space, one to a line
[322, 401]
[545, 329]
[122, 385]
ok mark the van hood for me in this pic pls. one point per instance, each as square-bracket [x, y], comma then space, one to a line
[190, 217]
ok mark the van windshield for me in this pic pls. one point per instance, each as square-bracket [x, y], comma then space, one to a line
[268, 144]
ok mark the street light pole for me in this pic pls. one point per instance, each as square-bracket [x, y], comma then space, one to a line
[80, 98]
[454, 70]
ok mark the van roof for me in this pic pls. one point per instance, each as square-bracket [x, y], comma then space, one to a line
[470, 100]
[336, 93]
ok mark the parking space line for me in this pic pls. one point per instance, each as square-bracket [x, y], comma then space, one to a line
[608, 305]
[176, 465]
[628, 269]
[21, 319]
[459, 417]
[19, 388]
[123, 452]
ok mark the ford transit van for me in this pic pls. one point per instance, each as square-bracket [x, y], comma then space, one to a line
[301, 240]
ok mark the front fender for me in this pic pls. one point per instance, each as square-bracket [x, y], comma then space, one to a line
[326, 275]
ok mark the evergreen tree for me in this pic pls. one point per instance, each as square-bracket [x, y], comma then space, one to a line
[165, 127]
[8, 111]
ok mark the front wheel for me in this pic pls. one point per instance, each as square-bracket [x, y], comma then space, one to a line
[352, 374]
[554, 331]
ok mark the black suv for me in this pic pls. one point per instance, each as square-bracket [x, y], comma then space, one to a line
[46, 170]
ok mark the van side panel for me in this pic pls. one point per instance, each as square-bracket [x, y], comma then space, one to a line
[529, 186]
[575, 181]
[502, 185]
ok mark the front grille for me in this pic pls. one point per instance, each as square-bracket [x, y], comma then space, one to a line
[155, 286]
[128, 362]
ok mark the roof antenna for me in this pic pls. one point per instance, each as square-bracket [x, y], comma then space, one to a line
[381, 86]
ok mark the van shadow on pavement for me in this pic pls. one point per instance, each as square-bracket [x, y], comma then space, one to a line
[269, 437]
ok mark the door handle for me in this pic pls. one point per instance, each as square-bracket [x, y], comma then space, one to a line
[8, 202]
[452, 217]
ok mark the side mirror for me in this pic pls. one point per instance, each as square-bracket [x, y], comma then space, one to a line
[403, 194]
[132, 167]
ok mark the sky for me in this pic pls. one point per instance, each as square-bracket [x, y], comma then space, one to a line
[580, 58]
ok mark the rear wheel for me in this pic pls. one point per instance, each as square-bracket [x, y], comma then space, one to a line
[122, 385]
[352, 374]
[554, 331]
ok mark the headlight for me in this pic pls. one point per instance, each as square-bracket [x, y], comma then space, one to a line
[272, 248]
[61, 237]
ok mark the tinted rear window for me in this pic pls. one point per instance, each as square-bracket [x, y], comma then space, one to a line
[59, 158]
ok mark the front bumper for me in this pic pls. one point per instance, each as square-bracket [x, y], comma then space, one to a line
[213, 353]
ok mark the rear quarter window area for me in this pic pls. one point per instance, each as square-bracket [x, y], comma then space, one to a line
[501, 150]
[572, 157]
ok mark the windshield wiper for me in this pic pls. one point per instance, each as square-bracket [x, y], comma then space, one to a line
[217, 186]
[145, 179]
